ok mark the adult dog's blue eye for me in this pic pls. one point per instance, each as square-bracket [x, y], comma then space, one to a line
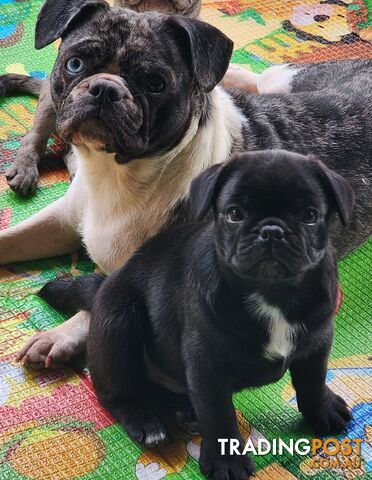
[75, 65]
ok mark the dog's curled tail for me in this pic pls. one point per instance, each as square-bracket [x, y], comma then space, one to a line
[12, 82]
[72, 294]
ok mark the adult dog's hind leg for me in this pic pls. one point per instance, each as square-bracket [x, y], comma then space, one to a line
[277, 79]
[117, 366]
[313, 77]
[238, 77]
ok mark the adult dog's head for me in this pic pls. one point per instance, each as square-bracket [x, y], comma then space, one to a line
[272, 210]
[129, 83]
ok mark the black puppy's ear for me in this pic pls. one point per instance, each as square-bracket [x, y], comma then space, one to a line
[204, 189]
[342, 192]
[56, 17]
[209, 49]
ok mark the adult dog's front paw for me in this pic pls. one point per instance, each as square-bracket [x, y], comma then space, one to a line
[48, 349]
[230, 467]
[22, 179]
[329, 416]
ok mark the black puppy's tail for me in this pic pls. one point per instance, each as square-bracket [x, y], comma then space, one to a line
[72, 294]
[13, 82]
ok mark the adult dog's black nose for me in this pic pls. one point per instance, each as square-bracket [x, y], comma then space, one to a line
[271, 232]
[106, 91]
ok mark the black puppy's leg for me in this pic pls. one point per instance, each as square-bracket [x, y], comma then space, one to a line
[186, 419]
[326, 412]
[116, 363]
[212, 400]
[181, 411]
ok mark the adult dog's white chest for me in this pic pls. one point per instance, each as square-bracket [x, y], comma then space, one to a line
[123, 207]
[110, 240]
[282, 335]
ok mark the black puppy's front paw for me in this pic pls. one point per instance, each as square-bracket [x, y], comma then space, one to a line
[146, 430]
[187, 421]
[329, 416]
[230, 467]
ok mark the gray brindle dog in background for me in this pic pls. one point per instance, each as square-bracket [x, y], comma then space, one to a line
[136, 95]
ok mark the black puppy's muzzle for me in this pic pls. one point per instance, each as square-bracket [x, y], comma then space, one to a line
[264, 253]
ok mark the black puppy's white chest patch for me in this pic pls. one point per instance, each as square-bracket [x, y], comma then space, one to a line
[282, 334]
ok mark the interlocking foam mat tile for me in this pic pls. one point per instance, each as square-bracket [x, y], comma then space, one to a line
[51, 426]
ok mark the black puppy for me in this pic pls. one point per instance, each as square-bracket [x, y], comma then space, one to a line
[225, 304]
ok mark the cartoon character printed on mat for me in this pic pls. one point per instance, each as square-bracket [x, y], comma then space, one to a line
[324, 22]
[361, 19]
[28, 449]
[63, 436]
[321, 21]
[349, 376]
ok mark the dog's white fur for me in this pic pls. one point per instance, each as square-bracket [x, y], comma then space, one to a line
[277, 79]
[282, 334]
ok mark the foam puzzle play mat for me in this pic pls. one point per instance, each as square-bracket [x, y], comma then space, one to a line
[51, 425]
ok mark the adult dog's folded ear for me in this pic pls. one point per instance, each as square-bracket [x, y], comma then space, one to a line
[342, 193]
[208, 49]
[57, 17]
[204, 189]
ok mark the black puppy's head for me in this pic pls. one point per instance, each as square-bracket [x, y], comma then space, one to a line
[272, 210]
[125, 82]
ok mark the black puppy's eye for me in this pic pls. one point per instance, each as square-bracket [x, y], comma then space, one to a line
[154, 84]
[75, 65]
[234, 215]
[309, 216]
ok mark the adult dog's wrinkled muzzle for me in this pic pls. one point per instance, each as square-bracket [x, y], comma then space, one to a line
[101, 111]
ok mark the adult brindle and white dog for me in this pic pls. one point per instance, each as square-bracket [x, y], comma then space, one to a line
[137, 96]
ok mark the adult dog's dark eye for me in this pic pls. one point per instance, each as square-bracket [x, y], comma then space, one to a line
[75, 65]
[234, 215]
[154, 84]
[309, 216]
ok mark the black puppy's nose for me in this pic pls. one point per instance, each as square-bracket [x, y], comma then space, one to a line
[271, 232]
[106, 91]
